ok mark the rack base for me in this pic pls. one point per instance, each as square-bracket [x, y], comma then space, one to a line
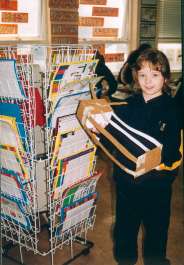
[85, 251]
[88, 245]
[6, 248]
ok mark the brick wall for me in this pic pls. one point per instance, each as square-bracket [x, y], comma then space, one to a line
[64, 19]
[10, 17]
[98, 25]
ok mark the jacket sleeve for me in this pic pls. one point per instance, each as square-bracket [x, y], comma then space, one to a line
[171, 154]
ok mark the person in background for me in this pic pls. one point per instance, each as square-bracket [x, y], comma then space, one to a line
[108, 84]
[179, 98]
[145, 201]
[125, 76]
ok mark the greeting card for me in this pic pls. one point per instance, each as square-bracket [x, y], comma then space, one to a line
[13, 212]
[77, 213]
[9, 79]
[72, 170]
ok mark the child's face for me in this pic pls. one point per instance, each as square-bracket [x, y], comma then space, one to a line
[151, 81]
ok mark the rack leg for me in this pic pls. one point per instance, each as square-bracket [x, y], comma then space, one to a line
[88, 245]
[6, 248]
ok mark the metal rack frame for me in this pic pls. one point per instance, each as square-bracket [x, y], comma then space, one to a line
[14, 234]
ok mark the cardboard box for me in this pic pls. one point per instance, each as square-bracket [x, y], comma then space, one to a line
[99, 109]
[97, 113]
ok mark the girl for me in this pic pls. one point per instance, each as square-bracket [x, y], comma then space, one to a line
[145, 201]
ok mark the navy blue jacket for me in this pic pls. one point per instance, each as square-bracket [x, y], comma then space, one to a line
[158, 118]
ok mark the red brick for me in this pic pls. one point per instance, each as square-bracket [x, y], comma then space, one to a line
[8, 28]
[64, 29]
[8, 5]
[67, 4]
[91, 21]
[64, 40]
[93, 2]
[105, 32]
[105, 11]
[114, 57]
[64, 15]
[100, 48]
[15, 17]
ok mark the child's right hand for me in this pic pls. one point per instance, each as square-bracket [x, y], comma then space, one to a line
[90, 118]
[94, 130]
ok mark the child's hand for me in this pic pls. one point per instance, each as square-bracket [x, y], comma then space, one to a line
[93, 120]
[94, 130]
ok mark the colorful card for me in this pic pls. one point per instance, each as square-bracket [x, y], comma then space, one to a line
[9, 133]
[13, 110]
[76, 213]
[67, 124]
[67, 73]
[72, 170]
[13, 212]
[80, 190]
[9, 80]
[75, 87]
[12, 187]
[67, 105]
[70, 139]
[11, 160]
[73, 143]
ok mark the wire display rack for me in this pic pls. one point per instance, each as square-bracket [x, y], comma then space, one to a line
[63, 190]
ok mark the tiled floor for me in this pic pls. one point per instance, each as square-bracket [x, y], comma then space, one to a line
[101, 236]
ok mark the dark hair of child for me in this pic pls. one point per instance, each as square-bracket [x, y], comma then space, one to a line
[125, 75]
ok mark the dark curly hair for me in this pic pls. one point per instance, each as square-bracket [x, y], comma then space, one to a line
[125, 74]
